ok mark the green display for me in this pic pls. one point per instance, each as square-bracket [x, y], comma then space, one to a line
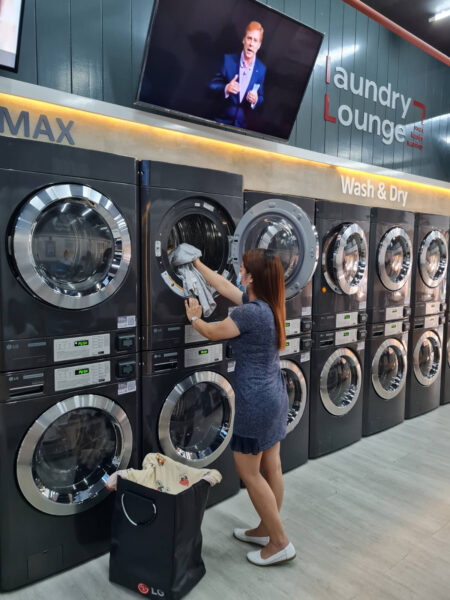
[347, 317]
[203, 351]
[81, 343]
[81, 371]
[347, 333]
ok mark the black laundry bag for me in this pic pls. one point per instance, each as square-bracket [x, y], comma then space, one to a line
[156, 539]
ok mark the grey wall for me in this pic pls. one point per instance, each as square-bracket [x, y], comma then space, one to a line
[94, 48]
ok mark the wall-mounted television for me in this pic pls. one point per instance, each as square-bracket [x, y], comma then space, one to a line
[10, 20]
[237, 64]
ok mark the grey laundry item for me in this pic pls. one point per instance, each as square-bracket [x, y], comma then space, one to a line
[194, 283]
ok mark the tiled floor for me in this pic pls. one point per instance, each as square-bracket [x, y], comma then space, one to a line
[371, 522]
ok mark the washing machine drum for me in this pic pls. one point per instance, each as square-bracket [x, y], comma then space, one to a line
[389, 368]
[394, 258]
[285, 229]
[340, 382]
[201, 223]
[296, 391]
[344, 258]
[71, 246]
[69, 452]
[196, 420]
[427, 358]
[433, 257]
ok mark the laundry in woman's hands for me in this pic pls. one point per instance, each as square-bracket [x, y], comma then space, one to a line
[194, 283]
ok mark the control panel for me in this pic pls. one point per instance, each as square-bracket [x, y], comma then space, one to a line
[203, 355]
[292, 347]
[192, 336]
[292, 327]
[77, 376]
[76, 348]
[394, 312]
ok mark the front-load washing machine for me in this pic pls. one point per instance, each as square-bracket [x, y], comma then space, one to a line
[188, 410]
[203, 207]
[281, 237]
[340, 284]
[68, 268]
[295, 367]
[429, 280]
[390, 265]
[445, 391]
[64, 430]
[335, 399]
[386, 367]
[425, 357]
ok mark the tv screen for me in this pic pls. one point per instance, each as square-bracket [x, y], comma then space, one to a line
[10, 15]
[233, 63]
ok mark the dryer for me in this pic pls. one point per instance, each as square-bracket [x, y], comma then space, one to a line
[295, 363]
[280, 237]
[445, 390]
[430, 274]
[425, 356]
[188, 410]
[390, 265]
[336, 391]
[68, 269]
[64, 430]
[340, 285]
[386, 367]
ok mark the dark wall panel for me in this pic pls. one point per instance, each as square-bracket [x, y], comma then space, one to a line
[335, 54]
[141, 11]
[322, 24]
[87, 43]
[358, 101]
[370, 73]
[304, 120]
[117, 64]
[53, 47]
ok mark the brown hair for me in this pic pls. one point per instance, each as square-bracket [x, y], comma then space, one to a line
[255, 25]
[268, 285]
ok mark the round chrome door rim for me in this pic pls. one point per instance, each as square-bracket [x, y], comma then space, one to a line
[300, 220]
[288, 365]
[342, 238]
[169, 406]
[48, 501]
[442, 270]
[23, 253]
[399, 381]
[448, 352]
[427, 381]
[325, 396]
[389, 236]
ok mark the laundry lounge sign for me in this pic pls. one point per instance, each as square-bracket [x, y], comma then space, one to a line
[384, 95]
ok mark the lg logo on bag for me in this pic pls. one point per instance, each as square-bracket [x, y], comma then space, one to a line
[144, 589]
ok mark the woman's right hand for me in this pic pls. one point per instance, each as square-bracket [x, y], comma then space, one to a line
[197, 262]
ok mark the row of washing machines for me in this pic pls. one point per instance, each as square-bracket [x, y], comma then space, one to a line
[98, 364]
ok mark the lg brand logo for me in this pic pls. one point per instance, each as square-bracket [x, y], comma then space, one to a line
[150, 591]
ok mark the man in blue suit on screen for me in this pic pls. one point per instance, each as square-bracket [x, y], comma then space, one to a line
[240, 82]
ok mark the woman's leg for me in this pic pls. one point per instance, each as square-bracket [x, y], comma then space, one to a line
[263, 499]
[271, 468]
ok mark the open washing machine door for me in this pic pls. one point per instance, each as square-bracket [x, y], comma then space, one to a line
[201, 223]
[340, 382]
[344, 258]
[69, 452]
[427, 358]
[296, 391]
[71, 246]
[389, 369]
[284, 228]
[394, 258]
[196, 420]
[433, 258]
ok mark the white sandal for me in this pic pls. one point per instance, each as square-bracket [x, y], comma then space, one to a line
[282, 556]
[251, 539]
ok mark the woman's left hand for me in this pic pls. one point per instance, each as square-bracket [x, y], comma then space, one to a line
[193, 308]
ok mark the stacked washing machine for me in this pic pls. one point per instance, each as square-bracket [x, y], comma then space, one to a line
[288, 230]
[426, 341]
[68, 369]
[339, 327]
[388, 308]
[445, 384]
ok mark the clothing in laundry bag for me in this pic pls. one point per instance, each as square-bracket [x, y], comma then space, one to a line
[194, 283]
[164, 474]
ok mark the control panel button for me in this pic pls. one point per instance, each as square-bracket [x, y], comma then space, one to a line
[362, 334]
[407, 311]
[126, 369]
[362, 317]
[125, 342]
[306, 324]
[406, 326]
[306, 343]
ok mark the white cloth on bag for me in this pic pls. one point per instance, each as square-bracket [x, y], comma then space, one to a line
[194, 283]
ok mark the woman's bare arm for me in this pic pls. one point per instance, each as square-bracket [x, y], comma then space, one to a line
[219, 282]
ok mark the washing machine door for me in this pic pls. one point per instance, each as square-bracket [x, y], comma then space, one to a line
[196, 420]
[296, 391]
[71, 246]
[389, 368]
[69, 452]
[201, 223]
[394, 258]
[427, 358]
[433, 257]
[448, 353]
[344, 258]
[340, 382]
[284, 228]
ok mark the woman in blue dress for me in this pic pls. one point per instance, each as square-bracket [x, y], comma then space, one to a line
[256, 327]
